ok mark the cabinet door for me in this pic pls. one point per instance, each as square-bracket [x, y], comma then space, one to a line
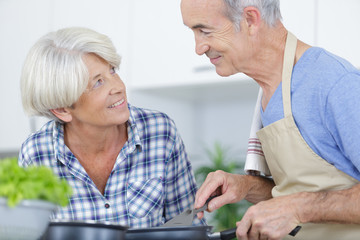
[299, 18]
[338, 30]
[163, 48]
[22, 22]
[109, 17]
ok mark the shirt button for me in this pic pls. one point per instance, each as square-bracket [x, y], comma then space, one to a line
[107, 205]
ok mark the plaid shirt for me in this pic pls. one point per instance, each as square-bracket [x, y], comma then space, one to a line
[151, 182]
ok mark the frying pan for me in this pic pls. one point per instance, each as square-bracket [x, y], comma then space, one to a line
[179, 233]
[185, 232]
[84, 230]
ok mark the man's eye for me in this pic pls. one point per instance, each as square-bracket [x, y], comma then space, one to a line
[204, 32]
[98, 83]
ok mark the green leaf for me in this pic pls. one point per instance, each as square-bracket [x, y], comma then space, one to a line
[34, 182]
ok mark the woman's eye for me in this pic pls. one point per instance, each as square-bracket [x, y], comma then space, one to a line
[113, 70]
[98, 83]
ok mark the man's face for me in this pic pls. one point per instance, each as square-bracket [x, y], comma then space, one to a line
[215, 35]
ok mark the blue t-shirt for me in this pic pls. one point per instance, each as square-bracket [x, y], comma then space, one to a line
[325, 100]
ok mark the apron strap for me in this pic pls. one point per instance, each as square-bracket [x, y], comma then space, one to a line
[288, 64]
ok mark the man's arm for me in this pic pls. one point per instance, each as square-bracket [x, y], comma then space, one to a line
[341, 206]
[276, 217]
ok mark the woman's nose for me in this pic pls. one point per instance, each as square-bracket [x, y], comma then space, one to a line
[117, 85]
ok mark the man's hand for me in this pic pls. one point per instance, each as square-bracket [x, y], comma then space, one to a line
[231, 188]
[271, 219]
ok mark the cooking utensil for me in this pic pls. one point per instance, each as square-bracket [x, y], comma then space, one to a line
[179, 233]
[84, 230]
[186, 217]
[184, 232]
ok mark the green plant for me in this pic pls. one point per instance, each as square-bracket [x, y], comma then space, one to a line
[226, 216]
[34, 182]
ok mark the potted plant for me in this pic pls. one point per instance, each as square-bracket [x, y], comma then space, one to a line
[27, 198]
[226, 216]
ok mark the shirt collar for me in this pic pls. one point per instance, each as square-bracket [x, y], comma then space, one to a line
[58, 141]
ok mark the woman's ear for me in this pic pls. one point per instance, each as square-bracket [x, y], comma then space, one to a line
[253, 19]
[62, 113]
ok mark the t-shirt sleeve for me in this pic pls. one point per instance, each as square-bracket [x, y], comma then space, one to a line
[343, 117]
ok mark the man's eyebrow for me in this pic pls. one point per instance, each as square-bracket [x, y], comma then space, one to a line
[199, 26]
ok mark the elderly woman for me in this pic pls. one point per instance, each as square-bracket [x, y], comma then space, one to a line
[126, 165]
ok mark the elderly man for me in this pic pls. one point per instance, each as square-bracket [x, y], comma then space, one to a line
[311, 130]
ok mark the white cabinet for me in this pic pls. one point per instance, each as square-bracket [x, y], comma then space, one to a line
[338, 30]
[299, 18]
[22, 22]
[163, 48]
[109, 17]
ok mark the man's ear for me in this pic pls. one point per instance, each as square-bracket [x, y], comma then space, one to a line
[62, 113]
[252, 17]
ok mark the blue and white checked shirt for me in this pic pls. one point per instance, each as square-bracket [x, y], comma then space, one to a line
[151, 182]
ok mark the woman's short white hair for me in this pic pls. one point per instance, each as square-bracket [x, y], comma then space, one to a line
[54, 74]
[269, 9]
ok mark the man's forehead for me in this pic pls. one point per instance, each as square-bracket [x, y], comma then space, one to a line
[204, 4]
[197, 12]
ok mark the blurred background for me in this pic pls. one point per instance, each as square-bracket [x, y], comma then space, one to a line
[159, 64]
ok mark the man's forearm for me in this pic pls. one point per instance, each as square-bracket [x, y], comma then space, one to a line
[342, 206]
[259, 188]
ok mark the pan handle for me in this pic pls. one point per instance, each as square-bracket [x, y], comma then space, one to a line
[228, 234]
[295, 231]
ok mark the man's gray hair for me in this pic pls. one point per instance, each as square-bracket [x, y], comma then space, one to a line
[269, 9]
[54, 74]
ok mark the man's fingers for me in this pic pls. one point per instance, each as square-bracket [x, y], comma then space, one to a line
[209, 188]
[217, 202]
[200, 215]
[243, 228]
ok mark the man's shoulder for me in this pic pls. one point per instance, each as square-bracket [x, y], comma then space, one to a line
[330, 63]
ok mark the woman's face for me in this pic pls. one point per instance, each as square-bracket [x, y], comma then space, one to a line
[104, 102]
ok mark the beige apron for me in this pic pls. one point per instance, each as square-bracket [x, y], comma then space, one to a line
[295, 167]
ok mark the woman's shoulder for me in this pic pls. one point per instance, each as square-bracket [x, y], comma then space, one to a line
[152, 122]
[43, 136]
[141, 115]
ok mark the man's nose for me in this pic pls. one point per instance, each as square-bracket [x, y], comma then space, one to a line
[201, 46]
